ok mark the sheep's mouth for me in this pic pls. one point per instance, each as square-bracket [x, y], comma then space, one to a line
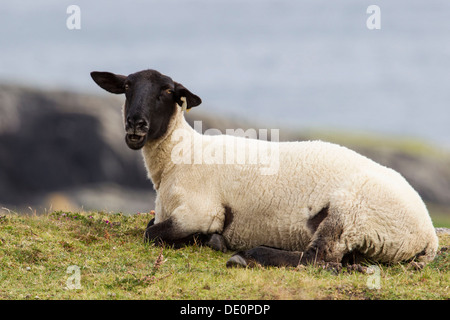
[135, 141]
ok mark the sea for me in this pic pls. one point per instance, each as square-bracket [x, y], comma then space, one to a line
[378, 66]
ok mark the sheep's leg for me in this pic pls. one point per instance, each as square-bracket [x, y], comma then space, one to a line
[166, 233]
[265, 256]
[326, 246]
[327, 243]
[216, 241]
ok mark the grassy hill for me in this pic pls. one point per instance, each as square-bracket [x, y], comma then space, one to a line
[96, 255]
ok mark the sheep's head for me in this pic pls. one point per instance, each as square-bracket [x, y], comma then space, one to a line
[151, 99]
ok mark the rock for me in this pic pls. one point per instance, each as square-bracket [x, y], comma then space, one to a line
[442, 231]
[59, 141]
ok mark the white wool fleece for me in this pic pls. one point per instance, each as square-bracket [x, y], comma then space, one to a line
[383, 217]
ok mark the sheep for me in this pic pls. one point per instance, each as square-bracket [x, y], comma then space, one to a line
[322, 201]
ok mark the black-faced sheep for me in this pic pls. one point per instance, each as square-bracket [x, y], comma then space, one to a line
[320, 202]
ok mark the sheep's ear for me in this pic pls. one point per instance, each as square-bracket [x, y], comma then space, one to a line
[114, 83]
[181, 92]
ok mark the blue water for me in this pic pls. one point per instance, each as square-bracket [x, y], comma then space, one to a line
[304, 64]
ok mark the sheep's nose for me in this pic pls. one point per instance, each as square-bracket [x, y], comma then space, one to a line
[136, 126]
[136, 123]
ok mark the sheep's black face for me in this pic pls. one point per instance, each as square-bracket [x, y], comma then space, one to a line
[149, 106]
[151, 99]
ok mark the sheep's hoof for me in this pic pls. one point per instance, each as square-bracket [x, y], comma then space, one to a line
[217, 242]
[236, 261]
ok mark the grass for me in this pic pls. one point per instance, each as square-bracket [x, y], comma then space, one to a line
[113, 263]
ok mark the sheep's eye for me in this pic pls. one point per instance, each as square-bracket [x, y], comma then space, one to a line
[168, 91]
[127, 86]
